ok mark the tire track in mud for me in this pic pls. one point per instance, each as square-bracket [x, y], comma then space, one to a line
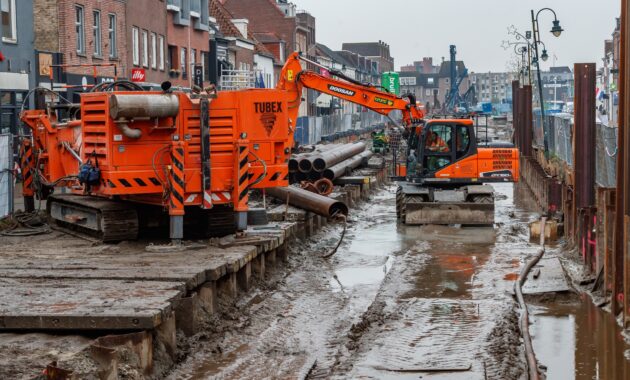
[445, 305]
[293, 325]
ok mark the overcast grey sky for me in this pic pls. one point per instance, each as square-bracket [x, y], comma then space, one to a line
[420, 28]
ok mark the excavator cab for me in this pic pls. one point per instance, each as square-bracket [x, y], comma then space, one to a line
[440, 144]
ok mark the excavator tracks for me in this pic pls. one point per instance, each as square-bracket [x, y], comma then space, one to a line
[107, 220]
[469, 205]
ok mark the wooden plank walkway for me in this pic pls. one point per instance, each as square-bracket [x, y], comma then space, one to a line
[70, 304]
[551, 279]
[58, 282]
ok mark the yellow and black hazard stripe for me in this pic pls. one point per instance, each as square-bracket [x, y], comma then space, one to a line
[176, 179]
[242, 172]
[26, 162]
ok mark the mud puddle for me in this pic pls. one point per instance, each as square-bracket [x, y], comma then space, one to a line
[579, 341]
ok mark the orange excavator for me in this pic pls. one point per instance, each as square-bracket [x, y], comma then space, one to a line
[447, 166]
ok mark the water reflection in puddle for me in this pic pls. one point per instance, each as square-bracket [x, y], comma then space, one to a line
[579, 342]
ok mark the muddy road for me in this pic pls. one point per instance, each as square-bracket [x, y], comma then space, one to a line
[394, 302]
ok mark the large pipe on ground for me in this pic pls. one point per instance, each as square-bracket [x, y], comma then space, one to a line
[328, 159]
[343, 167]
[304, 162]
[308, 201]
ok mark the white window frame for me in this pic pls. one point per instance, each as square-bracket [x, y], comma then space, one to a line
[182, 61]
[153, 51]
[96, 33]
[193, 60]
[135, 42]
[161, 50]
[79, 28]
[202, 57]
[13, 19]
[145, 48]
[112, 35]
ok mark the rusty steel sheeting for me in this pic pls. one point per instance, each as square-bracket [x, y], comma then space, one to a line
[308, 201]
[330, 158]
[521, 118]
[515, 121]
[584, 135]
[343, 167]
[526, 120]
[621, 262]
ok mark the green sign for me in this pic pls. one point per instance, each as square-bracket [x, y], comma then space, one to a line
[391, 82]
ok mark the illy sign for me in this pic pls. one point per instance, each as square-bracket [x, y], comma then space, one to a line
[138, 75]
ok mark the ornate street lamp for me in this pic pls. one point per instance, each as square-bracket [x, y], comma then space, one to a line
[556, 30]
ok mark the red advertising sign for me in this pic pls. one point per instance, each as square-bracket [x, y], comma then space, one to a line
[138, 75]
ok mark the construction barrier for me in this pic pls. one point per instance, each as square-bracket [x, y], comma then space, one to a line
[6, 175]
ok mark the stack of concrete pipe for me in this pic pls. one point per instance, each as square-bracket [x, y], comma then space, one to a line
[328, 161]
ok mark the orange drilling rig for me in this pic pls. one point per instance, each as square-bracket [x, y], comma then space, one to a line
[126, 157]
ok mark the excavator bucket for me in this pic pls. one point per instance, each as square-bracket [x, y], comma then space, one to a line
[470, 205]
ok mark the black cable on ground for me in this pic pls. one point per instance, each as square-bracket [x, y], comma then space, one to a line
[343, 233]
[24, 224]
[532, 363]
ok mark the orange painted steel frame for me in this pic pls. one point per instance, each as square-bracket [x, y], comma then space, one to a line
[140, 169]
[293, 79]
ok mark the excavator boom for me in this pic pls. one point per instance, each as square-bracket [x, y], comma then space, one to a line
[294, 78]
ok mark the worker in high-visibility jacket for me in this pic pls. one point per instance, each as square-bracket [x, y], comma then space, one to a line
[435, 143]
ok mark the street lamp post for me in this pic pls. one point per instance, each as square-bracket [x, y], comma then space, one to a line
[556, 30]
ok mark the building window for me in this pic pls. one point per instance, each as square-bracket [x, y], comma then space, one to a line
[172, 57]
[145, 48]
[182, 62]
[135, 41]
[153, 50]
[203, 56]
[161, 51]
[96, 33]
[193, 53]
[9, 29]
[78, 26]
[112, 36]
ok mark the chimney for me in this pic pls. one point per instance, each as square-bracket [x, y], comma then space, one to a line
[241, 25]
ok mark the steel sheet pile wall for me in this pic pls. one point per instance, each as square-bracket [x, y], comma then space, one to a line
[584, 151]
[620, 268]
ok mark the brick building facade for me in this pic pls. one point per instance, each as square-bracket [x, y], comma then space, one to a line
[187, 39]
[265, 16]
[146, 36]
[85, 39]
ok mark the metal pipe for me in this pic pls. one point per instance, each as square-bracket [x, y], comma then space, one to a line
[308, 201]
[343, 167]
[304, 162]
[532, 364]
[328, 159]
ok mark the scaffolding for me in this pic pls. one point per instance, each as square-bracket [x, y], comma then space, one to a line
[239, 79]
